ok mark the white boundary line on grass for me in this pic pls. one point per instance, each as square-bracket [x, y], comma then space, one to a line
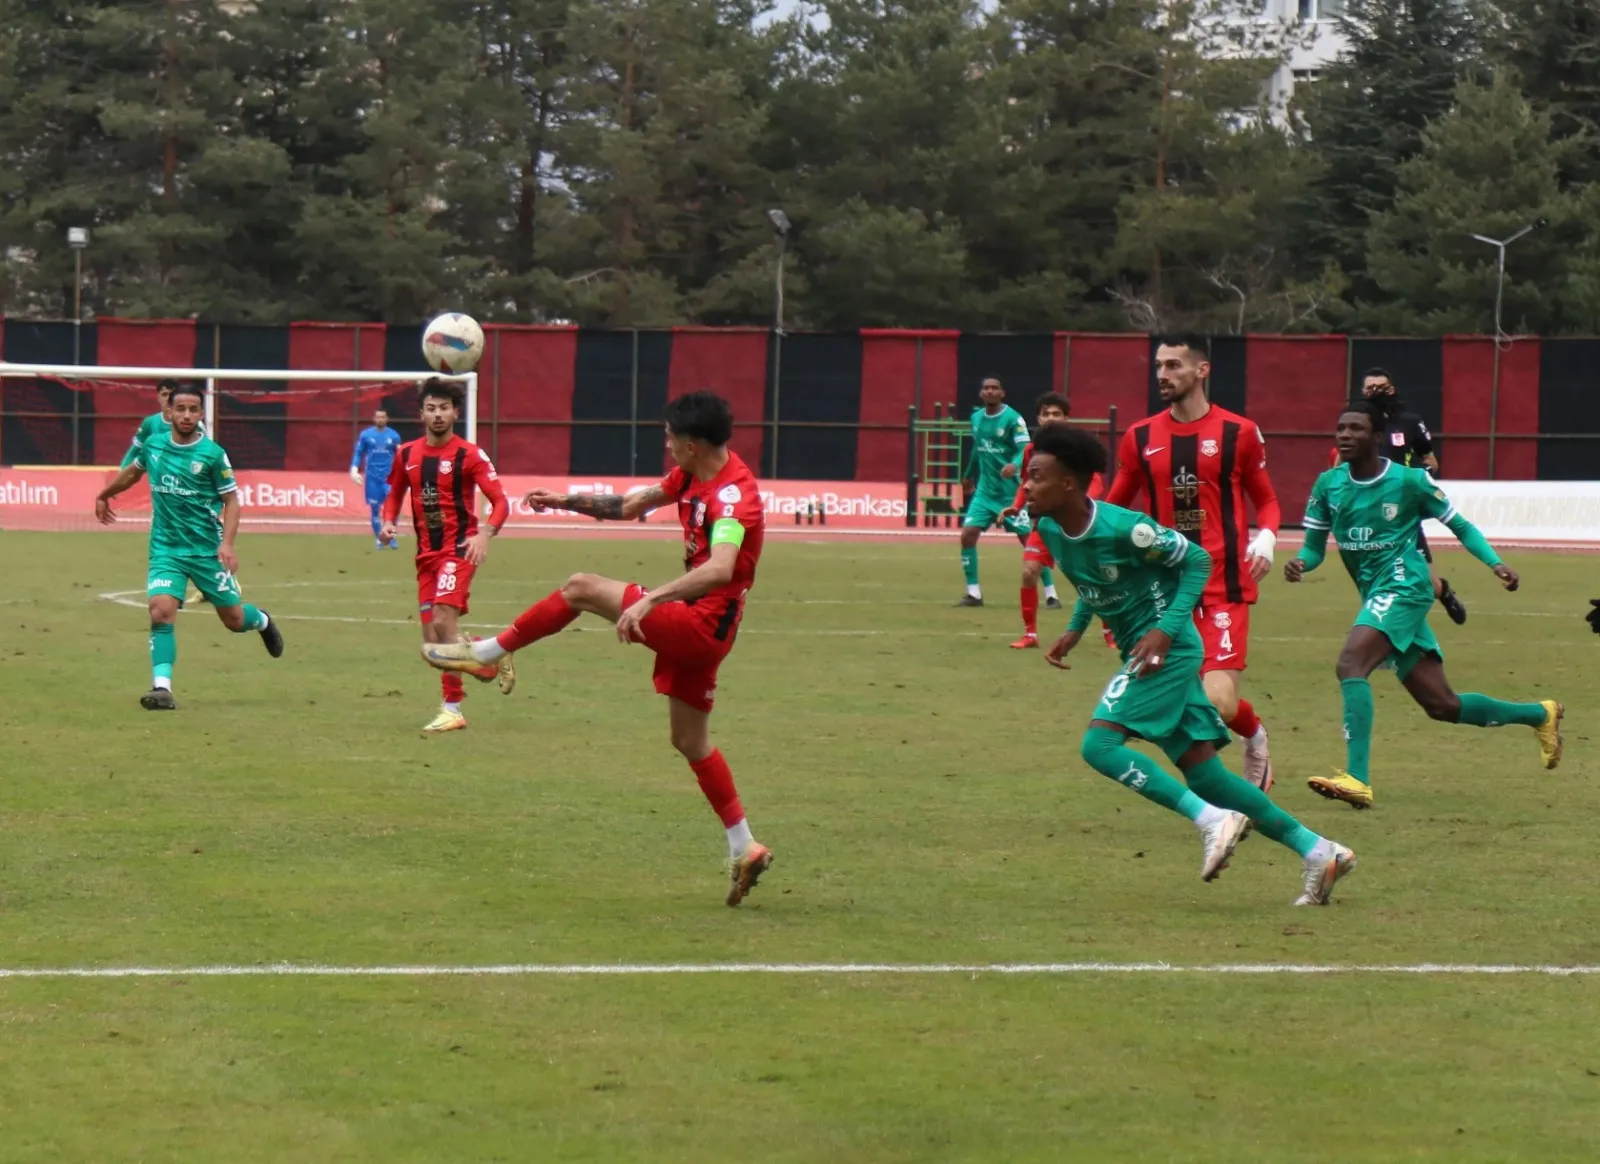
[602, 969]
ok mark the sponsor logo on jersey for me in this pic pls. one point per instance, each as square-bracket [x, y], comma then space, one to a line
[1360, 533]
[1185, 485]
[1208, 448]
[1149, 452]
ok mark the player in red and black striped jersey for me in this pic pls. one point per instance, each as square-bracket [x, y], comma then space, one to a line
[691, 622]
[1197, 464]
[443, 475]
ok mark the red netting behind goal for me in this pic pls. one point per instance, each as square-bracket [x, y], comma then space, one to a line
[264, 424]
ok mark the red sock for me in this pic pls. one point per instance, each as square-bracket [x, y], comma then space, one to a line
[545, 617]
[716, 781]
[454, 690]
[1244, 722]
[1030, 609]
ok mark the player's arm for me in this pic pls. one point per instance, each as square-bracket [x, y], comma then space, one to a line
[1422, 445]
[398, 485]
[1439, 507]
[727, 535]
[1269, 514]
[1021, 499]
[602, 506]
[1082, 616]
[1019, 451]
[358, 459]
[231, 511]
[1126, 484]
[1317, 524]
[121, 483]
[488, 483]
[1193, 565]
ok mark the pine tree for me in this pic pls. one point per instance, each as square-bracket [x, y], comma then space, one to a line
[1555, 47]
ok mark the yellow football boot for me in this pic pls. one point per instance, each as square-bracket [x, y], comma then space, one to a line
[1342, 786]
[1550, 741]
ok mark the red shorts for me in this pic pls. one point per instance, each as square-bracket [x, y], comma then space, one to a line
[443, 580]
[1036, 551]
[688, 651]
[1225, 631]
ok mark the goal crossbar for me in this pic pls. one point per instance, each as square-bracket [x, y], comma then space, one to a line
[212, 375]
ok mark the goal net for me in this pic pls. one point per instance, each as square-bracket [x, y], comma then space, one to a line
[286, 429]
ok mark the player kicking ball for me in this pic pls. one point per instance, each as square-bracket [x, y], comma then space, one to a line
[194, 520]
[443, 474]
[1144, 580]
[691, 622]
[1374, 508]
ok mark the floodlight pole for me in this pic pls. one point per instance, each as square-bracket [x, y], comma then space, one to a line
[780, 223]
[78, 240]
[1500, 246]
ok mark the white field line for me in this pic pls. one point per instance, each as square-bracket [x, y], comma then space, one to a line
[605, 969]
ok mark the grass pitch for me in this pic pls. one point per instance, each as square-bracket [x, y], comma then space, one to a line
[921, 787]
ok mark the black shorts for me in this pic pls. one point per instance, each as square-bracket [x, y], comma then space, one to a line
[1422, 544]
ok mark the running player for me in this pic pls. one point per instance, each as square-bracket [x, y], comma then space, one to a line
[444, 473]
[1213, 459]
[194, 520]
[1407, 442]
[1379, 506]
[999, 435]
[691, 622]
[1144, 581]
[371, 463]
[1036, 561]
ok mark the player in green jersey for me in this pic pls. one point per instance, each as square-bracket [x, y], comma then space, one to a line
[1144, 580]
[989, 479]
[156, 422]
[1374, 508]
[194, 520]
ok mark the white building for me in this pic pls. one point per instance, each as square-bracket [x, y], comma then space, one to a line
[1312, 52]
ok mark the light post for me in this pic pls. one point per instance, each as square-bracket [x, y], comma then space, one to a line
[78, 240]
[1500, 245]
[781, 224]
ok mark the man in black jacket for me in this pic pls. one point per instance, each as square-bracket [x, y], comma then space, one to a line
[1407, 441]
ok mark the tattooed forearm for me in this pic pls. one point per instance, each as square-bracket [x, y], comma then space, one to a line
[601, 506]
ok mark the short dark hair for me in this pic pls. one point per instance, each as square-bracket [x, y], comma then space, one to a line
[1054, 398]
[435, 388]
[1371, 372]
[701, 416]
[168, 384]
[1197, 343]
[185, 390]
[1076, 449]
[1367, 409]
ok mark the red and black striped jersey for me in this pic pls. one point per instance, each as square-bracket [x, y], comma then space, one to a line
[734, 494]
[1196, 476]
[444, 481]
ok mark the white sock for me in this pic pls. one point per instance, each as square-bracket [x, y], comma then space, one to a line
[488, 651]
[1259, 740]
[161, 683]
[1209, 817]
[453, 707]
[974, 591]
[739, 838]
[1050, 591]
[1322, 852]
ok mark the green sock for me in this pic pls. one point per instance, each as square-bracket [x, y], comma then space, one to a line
[1218, 786]
[254, 620]
[1357, 727]
[1046, 579]
[1486, 711]
[163, 650]
[1108, 754]
[969, 564]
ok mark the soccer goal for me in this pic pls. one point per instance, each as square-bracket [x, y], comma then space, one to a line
[267, 418]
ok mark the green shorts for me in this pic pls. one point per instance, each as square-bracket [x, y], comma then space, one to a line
[171, 574]
[1403, 620]
[984, 509]
[1168, 708]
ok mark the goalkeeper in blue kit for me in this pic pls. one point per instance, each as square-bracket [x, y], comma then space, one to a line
[370, 466]
[1373, 508]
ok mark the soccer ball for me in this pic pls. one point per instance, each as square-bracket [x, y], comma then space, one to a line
[452, 343]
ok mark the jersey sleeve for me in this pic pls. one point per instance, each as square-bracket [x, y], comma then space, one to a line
[1421, 439]
[674, 483]
[1253, 472]
[735, 511]
[1151, 543]
[1317, 514]
[1126, 484]
[222, 474]
[488, 483]
[360, 455]
[1432, 500]
[1019, 441]
[1021, 499]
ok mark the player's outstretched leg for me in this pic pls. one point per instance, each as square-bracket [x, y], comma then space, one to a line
[550, 615]
[1105, 749]
[1428, 685]
[748, 859]
[163, 654]
[1323, 861]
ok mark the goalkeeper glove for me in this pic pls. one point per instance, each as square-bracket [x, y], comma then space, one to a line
[1593, 616]
[355, 474]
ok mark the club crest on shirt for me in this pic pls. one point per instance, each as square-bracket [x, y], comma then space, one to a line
[1108, 572]
[1390, 511]
[1208, 448]
[445, 466]
[197, 467]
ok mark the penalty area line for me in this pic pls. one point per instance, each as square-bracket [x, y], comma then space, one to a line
[603, 969]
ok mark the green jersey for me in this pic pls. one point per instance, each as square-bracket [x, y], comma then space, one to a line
[997, 441]
[149, 427]
[187, 485]
[1136, 574]
[1376, 523]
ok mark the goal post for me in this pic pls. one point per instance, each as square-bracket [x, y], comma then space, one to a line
[118, 376]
